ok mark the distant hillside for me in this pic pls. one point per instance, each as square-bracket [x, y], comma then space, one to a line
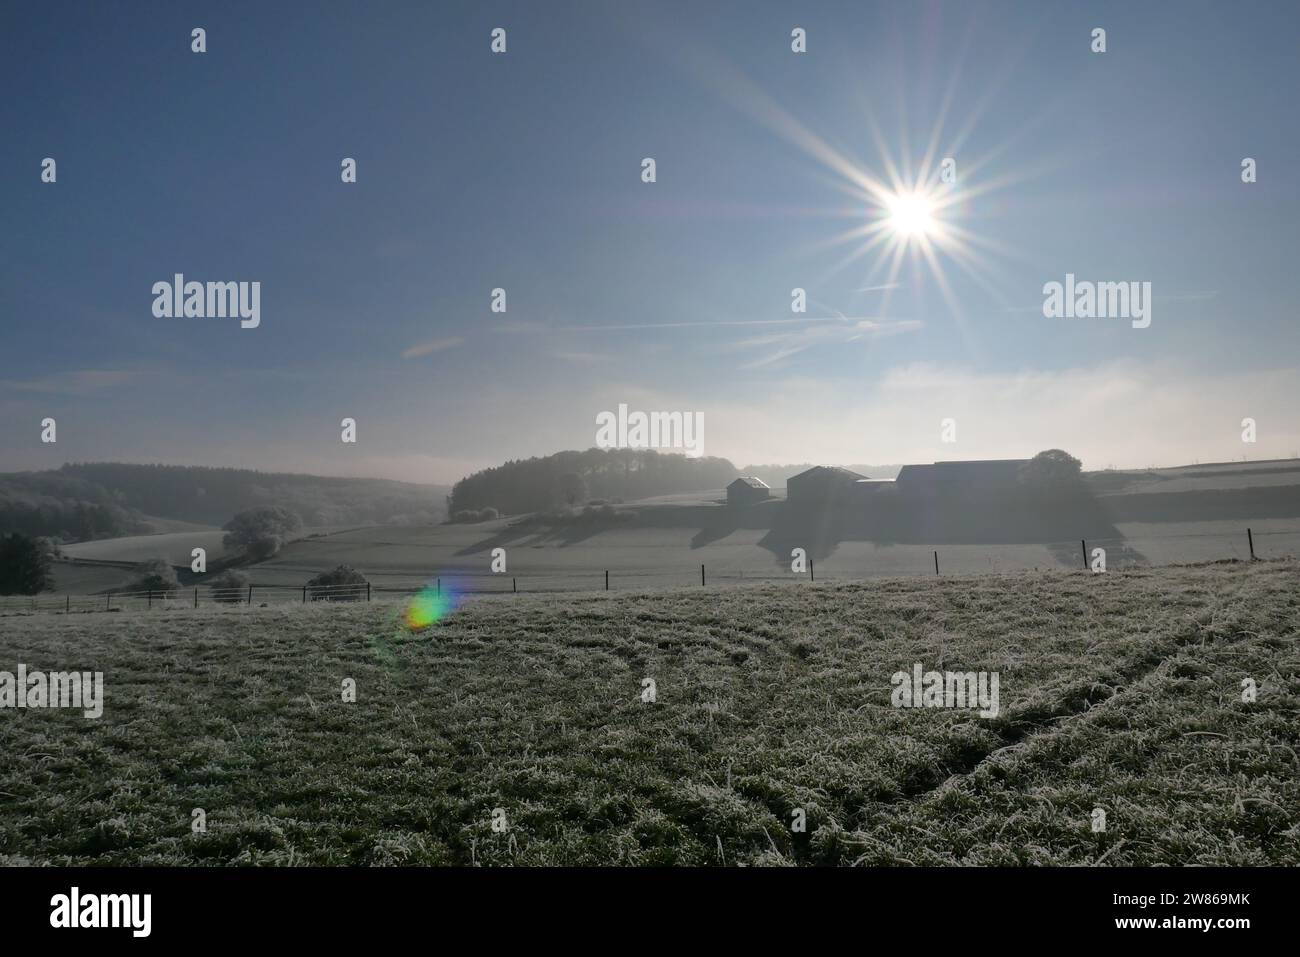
[95, 500]
[72, 508]
[574, 478]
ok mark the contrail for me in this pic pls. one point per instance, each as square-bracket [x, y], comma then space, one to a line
[725, 322]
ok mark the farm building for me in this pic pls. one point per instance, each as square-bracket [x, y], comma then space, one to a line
[977, 477]
[747, 490]
[872, 487]
[821, 485]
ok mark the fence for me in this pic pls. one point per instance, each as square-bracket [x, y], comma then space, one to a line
[907, 561]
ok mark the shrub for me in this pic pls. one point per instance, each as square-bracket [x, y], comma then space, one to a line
[230, 586]
[468, 516]
[343, 583]
[261, 531]
[156, 575]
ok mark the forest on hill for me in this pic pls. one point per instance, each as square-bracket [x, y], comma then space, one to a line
[575, 478]
[79, 502]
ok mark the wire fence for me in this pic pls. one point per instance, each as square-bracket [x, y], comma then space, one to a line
[906, 561]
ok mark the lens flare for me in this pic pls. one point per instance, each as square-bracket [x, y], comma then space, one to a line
[434, 603]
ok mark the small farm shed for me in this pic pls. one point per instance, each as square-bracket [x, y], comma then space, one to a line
[747, 490]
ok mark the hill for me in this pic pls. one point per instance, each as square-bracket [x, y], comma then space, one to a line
[773, 705]
[81, 502]
[574, 478]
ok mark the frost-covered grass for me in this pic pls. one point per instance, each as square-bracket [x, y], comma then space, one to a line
[1119, 691]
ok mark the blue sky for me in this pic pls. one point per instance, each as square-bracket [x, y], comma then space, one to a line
[522, 171]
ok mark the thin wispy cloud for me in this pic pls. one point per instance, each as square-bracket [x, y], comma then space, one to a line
[707, 323]
[73, 382]
[433, 345]
[585, 357]
[784, 345]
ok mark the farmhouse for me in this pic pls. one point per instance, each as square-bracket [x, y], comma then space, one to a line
[821, 485]
[747, 490]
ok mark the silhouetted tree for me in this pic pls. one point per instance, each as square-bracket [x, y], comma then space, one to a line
[24, 565]
[260, 531]
[573, 488]
[1053, 470]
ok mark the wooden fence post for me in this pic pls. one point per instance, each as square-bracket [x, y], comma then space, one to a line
[250, 593]
[701, 574]
[108, 602]
[196, 596]
[606, 579]
[304, 594]
[367, 591]
[514, 585]
[151, 598]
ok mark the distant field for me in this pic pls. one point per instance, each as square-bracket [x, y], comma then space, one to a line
[636, 557]
[175, 547]
[1119, 691]
[1202, 478]
[70, 578]
[651, 557]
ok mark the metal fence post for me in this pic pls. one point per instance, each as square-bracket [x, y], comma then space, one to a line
[250, 593]
[812, 575]
[701, 574]
[936, 562]
[1084, 545]
[367, 591]
[196, 596]
[151, 598]
[606, 579]
[1251, 538]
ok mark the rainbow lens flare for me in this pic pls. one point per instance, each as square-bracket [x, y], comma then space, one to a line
[431, 605]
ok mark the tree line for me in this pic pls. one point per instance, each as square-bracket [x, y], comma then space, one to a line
[570, 479]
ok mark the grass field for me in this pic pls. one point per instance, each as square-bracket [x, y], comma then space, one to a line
[665, 557]
[1120, 691]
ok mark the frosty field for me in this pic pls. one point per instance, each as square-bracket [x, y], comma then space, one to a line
[1120, 692]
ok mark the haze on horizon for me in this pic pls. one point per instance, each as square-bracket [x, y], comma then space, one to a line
[522, 171]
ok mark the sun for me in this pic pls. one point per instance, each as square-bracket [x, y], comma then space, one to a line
[911, 215]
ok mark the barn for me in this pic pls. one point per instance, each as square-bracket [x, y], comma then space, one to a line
[973, 478]
[821, 485]
[747, 490]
